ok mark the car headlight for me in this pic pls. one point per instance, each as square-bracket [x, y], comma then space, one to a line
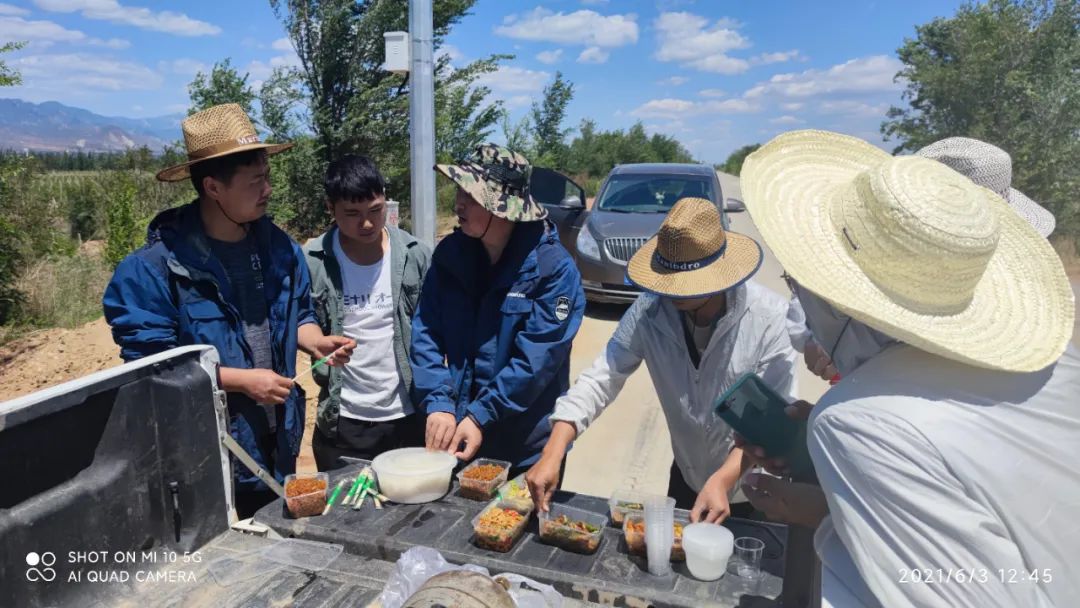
[587, 245]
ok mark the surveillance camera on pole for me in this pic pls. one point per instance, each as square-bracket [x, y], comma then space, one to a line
[411, 53]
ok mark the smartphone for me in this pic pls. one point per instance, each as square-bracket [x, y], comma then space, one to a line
[756, 412]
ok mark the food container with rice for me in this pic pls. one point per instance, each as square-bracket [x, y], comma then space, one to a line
[572, 529]
[482, 478]
[516, 492]
[413, 475]
[498, 526]
[305, 493]
[634, 532]
[625, 502]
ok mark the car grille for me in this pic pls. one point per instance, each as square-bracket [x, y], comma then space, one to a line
[621, 249]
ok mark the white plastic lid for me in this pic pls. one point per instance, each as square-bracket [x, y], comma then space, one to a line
[709, 539]
[413, 461]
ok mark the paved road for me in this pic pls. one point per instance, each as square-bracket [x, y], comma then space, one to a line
[629, 446]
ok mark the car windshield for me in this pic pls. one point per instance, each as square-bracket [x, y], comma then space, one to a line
[652, 193]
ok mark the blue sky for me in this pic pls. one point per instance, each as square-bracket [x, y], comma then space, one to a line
[714, 74]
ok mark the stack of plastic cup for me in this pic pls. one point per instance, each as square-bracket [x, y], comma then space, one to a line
[659, 533]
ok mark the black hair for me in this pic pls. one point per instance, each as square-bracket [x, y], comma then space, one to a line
[353, 178]
[223, 168]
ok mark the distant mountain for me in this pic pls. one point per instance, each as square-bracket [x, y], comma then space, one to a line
[54, 127]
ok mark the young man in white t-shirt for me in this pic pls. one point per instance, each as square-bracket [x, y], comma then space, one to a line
[366, 279]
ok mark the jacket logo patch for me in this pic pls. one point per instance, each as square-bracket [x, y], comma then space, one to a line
[562, 308]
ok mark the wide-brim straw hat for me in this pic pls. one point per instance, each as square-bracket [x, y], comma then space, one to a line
[499, 179]
[692, 256]
[911, 248]
[990, 167]
[215, 132]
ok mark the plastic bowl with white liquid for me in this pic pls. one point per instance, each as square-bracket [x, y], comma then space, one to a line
[414, 475]
[708, 548]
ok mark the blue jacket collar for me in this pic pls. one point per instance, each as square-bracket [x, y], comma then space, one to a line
[464, 256]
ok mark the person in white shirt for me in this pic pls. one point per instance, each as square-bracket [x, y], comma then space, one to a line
[699, 326]
[365, 281]
[946, 454]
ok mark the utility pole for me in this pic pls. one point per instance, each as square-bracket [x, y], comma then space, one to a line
[422, 120]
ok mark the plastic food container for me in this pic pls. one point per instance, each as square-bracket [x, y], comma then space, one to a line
[413, 475]
[624, 502]
[572, 529]
[305, 493]
[494, 536]
[483, 488]
[634, 532]
[708, 548]
[516, 492]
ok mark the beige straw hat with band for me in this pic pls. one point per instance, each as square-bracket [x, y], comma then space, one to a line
[215, 132]
[692, 256]
[911, 248]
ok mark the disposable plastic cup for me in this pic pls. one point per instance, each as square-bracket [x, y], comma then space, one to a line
[748, 551]
[659, 533]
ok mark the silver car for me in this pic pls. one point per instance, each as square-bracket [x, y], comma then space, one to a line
[631, 205]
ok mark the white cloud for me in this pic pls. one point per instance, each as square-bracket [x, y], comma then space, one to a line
[43, 34]
[781, 57]
[712, 93]
[284, 44]
[863, 75]
[517, 101]
[451, 51]
[792, 107]
[7, 9]
[853, 108]
[692, 42]
[593, 54]
[549, 57]
[676, 108]
[674, 81]
[512, 79]
[144, 18]
[79, 70]
[183, 67]
[786, 120]
[587, 28]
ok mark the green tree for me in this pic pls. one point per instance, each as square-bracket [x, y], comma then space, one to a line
[354, 105]
[279, 96]
[1004, 72]
[222, 85]
[547, 118]
[122, 227]
[733, 164]
[8, 76]
[516, 134]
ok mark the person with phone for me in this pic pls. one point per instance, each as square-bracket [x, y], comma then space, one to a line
[952, 436]
[699, 325]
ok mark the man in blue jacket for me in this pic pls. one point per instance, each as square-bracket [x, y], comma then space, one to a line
[499, 310]
[219, 272]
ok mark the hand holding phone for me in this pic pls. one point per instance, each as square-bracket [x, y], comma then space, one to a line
[757, 413]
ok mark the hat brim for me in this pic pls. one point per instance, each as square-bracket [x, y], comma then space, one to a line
[182, 171]
[741, 260]
[1020, 317]
[487, 197]
[1035, 214]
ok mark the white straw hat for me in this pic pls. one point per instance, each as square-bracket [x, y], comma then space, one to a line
[990, 167]
[912, 249]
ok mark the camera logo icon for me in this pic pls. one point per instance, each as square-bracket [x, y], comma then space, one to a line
[45, 573]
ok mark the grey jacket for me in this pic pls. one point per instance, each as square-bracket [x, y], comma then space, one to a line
[410, 260]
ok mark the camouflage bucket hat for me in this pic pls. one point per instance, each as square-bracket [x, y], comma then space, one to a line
[497, 178]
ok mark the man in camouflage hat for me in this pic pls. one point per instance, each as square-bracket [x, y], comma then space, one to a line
[499, 309]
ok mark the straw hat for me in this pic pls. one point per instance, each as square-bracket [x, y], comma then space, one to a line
[990, 167]
[497, 178]
[216, 132]
[912, 249]
[692, 256]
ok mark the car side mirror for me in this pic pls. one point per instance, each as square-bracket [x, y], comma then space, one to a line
[734, 205]
[571, 202]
